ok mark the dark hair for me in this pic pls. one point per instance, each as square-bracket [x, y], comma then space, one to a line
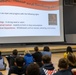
[63, 63]
[33, 69]
[19, 61]
[46, 48]
[0, 53]
[36, 48]
[71, 58]
[15, 52]
[69, 49]
[46, 59]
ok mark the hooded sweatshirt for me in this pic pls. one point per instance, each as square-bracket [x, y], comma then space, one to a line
[28, 59]
[47, 68]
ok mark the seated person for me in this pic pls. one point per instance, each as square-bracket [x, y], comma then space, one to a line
[13, 57]
[2, 63]
[37, 56]
[68, 50]
[28, 58]
[1, 73]
[19, 67]
[33, 69]
[46, 51]
[63, 68]
[47, 68]
[71, 61]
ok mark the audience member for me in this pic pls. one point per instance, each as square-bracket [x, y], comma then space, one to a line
[13, 57]
[1, 73]
[63, 68]
[46, 51]
[33, 69]
[2, 63]
[19, 67]
[68, 50]
[71, 61]
[47, 68]
[37, 56]
[28, 58]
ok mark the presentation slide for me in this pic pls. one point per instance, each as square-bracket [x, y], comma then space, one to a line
[31, 21]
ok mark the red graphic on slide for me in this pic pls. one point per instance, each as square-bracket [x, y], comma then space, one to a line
[34, 4]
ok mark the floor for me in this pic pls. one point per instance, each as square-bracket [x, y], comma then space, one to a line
[55, 58]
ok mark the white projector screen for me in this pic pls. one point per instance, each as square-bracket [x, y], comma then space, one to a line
[31, 21]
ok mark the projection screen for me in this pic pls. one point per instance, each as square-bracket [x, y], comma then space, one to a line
[31, 21]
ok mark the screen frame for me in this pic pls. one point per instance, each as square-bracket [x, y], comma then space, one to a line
[38, 39]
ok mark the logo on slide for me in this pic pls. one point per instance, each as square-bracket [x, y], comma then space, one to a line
[49, 0]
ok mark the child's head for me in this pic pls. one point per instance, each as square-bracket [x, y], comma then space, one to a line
[15, 52]
[27, 52]
[63, 63]
[46, 48]
[69, 49]
[36, 49]
[19, 61]
[46, 59]
[33, 69]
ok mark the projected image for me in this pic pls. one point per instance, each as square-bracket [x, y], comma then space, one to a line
[31, 21]
[52, 19]
[49, 0]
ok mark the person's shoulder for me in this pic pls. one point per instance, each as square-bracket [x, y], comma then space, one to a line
[65, 72]
[1, 73]
[42, 71]
[57, 73]
[65, 55]
[39, 52]
[13, 67]
[33, 53]
[65, 52]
